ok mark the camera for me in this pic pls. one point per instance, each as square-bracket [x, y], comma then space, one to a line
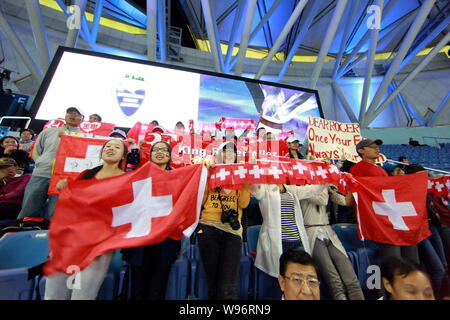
[231, 216]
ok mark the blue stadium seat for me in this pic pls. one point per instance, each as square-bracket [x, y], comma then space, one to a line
[15, 285]
[23, 249]
[178, 280]
[252, 237]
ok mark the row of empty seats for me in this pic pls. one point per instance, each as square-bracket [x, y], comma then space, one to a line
[434, 157]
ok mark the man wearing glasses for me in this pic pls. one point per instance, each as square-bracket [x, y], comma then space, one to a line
[298, 276]
[44, 154]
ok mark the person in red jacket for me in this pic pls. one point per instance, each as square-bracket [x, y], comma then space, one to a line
[12, 188]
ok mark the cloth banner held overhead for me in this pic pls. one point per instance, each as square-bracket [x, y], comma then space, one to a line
[91, 127]
[142, 207]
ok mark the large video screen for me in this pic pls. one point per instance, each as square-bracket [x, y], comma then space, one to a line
[124, 91]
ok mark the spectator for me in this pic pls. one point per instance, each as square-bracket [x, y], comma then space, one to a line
[298, 276]
[261, 133]
[368, 150]
[393, 169]
[118, 133]
[405, 280]
[416, 143]
[154, 123]
[282, 228]
[270, 136]
[294, 148]
[91, 278]
[9, 147]
[26, 140]
[220, 233]
[95, 117]
[230, 135]
[133, 157]
[150, 265]
[12, 188]
[403, 159]
[327, 250]
[431, 250]
[44, 154]
[179, 129]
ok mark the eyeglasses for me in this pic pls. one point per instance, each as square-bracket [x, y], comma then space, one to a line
[298, 282]
[163, 150]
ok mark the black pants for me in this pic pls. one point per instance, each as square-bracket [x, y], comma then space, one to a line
[405, 252]
[9, 210]
[221, 256]
[149, 280]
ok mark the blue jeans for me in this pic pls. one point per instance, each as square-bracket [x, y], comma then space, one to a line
[433, 255]
[35, 198]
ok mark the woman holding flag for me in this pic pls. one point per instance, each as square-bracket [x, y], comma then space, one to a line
[150, 265]
[113, 153]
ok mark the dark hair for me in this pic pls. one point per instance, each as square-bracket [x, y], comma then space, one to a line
[6, 137]
[394, 266]
[225, 148]
[402, 158]
[168, 167]
[89, 174]
[259, 129]
[29, 130]
[413, 168]
[156, 122]
[179, 123]
[97, 115]
[296, 256]
[347, 165]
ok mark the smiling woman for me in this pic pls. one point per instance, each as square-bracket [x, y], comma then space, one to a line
[113, 153]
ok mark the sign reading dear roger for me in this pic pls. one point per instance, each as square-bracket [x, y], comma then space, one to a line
[332, 139]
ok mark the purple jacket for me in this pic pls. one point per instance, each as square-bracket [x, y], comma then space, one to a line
[13, 190]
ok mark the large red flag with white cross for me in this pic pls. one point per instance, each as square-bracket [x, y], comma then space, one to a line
[392, 209]
[141, 207]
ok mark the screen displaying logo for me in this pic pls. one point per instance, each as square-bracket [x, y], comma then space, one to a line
[130, 94]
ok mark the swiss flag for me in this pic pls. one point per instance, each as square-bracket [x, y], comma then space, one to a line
[439, 187]
[141, 207]
[392, 209]
[75, 155]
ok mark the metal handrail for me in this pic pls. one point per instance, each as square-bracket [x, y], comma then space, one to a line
[435, 139]
[431, 169]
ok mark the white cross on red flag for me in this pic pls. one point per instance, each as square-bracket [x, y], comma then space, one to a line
[392, 209]
[439, 187]
[141, 207]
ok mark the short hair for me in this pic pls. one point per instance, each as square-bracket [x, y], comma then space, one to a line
[97, 115]
[402, 158]
[155, 123]
[413, 168]
[296, 256]
[395, 266]
[29, 130]
[179, 123]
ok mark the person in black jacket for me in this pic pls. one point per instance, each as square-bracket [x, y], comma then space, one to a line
[9, 147]
[150, 265]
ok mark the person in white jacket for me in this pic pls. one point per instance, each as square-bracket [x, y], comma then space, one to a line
[282, 228]
[326, 248]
